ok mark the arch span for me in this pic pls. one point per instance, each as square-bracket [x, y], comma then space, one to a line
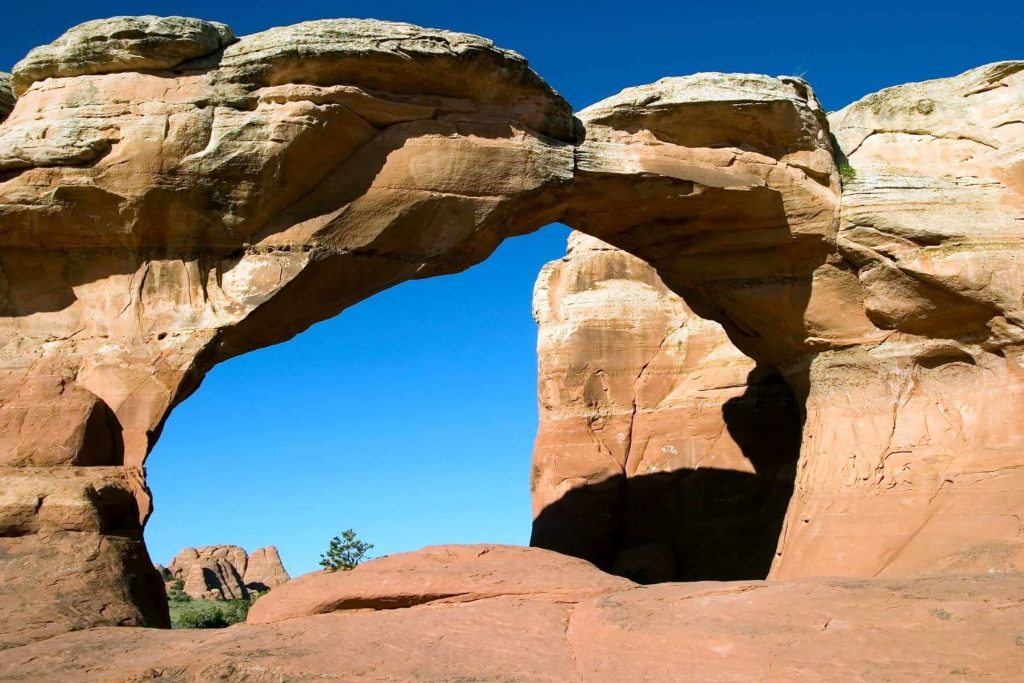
[172, 196]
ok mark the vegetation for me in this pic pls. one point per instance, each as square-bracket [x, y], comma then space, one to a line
[846, 172]
[191, 613]
[176, 592]
[345, 552]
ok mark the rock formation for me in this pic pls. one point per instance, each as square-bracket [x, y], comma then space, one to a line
[156, 229]
[890, 311]
[470, 620]
[171, 197]
[264, 570]
[6, 96]
[912, 461]
[663, 453]
[226, 572]
[436, 575]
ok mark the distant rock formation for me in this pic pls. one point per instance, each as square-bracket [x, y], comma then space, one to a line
[264, 569]
[225, 572]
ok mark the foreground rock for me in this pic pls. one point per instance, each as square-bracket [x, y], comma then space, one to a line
[68, 553]
[951, 628]
[652, 422]
[226, 572]
[441, 574]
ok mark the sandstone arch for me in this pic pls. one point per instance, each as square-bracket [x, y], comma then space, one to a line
[171, 196]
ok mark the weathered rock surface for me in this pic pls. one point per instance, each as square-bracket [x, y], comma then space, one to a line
[891, 310]
[438, 574]
[662, 452]
[167, 202]
[912, 461]
[227, 572]
[726, 184]
[949, 628]
[106, 46]
[6, 95]
[151, 222]
[72, 553]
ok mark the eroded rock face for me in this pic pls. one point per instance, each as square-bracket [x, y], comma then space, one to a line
[662, 453]
[6, 95]
[912, 458]
[726, 184]
[71, 553]
[226, 572]
[106, 46]
[208, 175]
[891, 310]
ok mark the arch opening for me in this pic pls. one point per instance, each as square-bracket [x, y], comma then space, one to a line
[409, 417]
[716, 516]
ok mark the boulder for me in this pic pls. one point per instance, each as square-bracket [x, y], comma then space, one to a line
[438, 574]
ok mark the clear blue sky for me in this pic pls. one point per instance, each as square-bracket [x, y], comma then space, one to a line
[410, 417]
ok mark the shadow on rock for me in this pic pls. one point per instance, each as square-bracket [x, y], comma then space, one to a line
[691, 524]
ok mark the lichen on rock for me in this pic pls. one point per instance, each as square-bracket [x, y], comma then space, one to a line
[103, 46]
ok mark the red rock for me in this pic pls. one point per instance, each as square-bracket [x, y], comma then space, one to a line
[169, 200]
[227, 572]
[652, 422]
[264, 569]
[438, 574]
[949, 628]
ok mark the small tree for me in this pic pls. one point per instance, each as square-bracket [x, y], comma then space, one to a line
[345, 552]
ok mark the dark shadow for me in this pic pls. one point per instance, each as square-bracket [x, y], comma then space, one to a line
[691, 525]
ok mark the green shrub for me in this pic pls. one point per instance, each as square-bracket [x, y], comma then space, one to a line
[198, 615]
[209, 613]
[846, 172]
[344, 552]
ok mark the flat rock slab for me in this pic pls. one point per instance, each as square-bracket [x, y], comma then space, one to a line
[957, 629]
